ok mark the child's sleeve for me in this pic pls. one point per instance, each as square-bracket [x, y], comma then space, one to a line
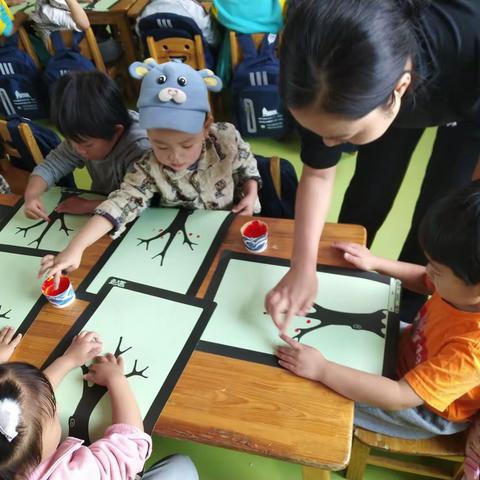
[244, 163]
[447, 376]
[126, 203]
[120, 454]
[59, 162]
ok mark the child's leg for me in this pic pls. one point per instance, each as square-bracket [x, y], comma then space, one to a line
[174, 467]
[412, 423]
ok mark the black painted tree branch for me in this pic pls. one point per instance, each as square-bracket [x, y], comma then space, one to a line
[178, 225]
[91, 396]
[54, 217]
[4, 314]
[371, 322]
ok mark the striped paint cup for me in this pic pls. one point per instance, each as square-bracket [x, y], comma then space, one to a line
[61, 297]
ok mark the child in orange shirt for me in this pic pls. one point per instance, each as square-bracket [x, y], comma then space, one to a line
[438, 386]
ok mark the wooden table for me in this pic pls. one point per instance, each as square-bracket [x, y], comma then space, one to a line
[233, 403]
[115, 16]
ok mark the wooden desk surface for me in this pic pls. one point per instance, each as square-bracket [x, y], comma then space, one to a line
[229, 402]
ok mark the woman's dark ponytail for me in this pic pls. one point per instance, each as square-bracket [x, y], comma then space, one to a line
[412, 8]
[346, 56]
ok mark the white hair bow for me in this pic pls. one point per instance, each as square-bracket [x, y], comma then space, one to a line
[9, 418]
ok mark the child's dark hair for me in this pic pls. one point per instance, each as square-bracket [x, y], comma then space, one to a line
[346, 56]
[450, 233]
[28, 386]
[88, 105]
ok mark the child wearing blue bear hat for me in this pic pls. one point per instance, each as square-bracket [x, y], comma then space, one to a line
[194, 163]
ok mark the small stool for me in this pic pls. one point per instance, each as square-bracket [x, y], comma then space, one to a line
[445, 447]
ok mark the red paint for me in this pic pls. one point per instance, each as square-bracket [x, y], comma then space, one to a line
[309, 321]
[49, 289]
[255, 229]
[297, 329]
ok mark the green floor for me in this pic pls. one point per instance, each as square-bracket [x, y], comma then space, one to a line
[220, 464]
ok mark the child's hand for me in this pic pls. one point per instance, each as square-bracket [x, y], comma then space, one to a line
[35, 209]
[302, 360]
[84, 347]
[245, 206]
[357, 255]
[77, 206]
[53, 266]
[8, 343]
[106, 370]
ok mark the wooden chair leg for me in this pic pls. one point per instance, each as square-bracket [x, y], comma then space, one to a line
[458, 472]
[358, 460]
[311, 473]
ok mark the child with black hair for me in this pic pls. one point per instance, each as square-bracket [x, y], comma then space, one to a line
[100, 134]
[30, 447]
[437, 390]
[193, 163]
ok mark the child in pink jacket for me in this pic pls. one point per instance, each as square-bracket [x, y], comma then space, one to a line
[30, 428]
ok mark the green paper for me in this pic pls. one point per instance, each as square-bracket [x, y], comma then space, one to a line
[19, 288]
[240, 320]
[23, 232]
[155, 328]
[140, 261]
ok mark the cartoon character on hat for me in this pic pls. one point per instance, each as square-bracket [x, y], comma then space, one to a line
[173, 95]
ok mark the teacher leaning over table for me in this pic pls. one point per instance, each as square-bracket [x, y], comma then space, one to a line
[375, 73]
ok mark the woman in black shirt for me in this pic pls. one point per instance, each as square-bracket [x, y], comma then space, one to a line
[375, 73]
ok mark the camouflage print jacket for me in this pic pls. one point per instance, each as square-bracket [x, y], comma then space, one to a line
[4, 186]
[214, 182]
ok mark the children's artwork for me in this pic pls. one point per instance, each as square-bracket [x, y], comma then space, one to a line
[154, 330]
[166, 248]
[20, 234]
[20, 295]
[353, 321]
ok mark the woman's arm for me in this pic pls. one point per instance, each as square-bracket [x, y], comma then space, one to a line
[296, 292]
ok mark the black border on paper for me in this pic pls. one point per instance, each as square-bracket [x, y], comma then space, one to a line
[197, 280]
[392, 333]
[166, 389]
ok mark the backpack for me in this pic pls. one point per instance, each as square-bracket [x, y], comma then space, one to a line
[258, 107]
[46, 140]
[170, 25]
[21, 88]
[279, 187]
[66, 59]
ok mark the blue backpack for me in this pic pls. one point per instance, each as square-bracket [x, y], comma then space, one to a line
[279, 187]
[168, 25]
[46, 140]
[258, 108]
[21, 88]
[66, 59]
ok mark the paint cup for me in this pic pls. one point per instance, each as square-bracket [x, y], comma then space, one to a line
[255, 236]
[61, 297]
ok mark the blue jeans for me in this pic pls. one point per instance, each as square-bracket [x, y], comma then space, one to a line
[174, 467]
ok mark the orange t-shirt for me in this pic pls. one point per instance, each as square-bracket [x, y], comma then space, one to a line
[439, 357]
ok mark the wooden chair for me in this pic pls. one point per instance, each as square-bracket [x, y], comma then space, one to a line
[89, 49]
[25, 44]
[449, 448]
[188, 51]
[235, 50]
[16, 177]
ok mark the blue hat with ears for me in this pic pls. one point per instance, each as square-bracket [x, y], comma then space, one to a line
[173, 95]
